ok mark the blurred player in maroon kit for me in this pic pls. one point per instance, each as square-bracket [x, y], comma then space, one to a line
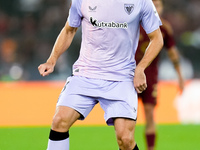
[150, 94]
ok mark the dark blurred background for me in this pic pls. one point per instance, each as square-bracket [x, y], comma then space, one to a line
[29, 28]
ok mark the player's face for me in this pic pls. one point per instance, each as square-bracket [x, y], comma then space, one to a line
[159, 6]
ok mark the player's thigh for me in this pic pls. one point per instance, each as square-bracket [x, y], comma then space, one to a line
[124, 127]
[149, 95]
[67, 113]
[120, 103]
[76, 96]
[64, 117]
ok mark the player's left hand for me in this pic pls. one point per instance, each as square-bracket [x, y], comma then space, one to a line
[140, 81]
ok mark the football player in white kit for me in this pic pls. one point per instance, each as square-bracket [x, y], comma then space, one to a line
[105, 71]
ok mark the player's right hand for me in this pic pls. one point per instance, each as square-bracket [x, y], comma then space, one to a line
[45, 69]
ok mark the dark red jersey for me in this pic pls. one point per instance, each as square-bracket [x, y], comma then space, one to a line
[152, 70]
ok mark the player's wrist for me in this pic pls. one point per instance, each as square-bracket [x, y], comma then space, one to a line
[140, 69]
[51, 61]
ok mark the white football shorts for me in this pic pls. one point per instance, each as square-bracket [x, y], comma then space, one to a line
[118, 99]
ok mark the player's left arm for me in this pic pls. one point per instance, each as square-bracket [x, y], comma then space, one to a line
[154, 47]
[174, 57]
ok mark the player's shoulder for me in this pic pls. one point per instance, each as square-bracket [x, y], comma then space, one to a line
[76, 2]
[166, 26]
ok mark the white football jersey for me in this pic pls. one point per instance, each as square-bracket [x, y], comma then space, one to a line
[110, 34]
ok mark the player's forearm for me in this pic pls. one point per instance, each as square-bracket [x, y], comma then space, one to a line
[177, 68]
[154, 47]
[174, 57]
[62, 43]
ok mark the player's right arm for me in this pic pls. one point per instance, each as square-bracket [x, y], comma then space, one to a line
[154, 47]
[62, 43]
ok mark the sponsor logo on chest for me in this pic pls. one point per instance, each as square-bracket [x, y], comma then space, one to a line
[128, 8]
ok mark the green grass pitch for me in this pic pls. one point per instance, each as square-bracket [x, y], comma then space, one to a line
[170, 137]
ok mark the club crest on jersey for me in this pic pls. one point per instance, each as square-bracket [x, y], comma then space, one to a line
[128, 8]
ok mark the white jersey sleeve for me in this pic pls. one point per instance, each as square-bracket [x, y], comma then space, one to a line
[75, 15]
[150, 19]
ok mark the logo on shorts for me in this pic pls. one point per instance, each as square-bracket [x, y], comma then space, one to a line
[64, 87]
[128, 8]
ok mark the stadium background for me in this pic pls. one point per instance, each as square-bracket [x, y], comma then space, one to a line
[28, 29]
